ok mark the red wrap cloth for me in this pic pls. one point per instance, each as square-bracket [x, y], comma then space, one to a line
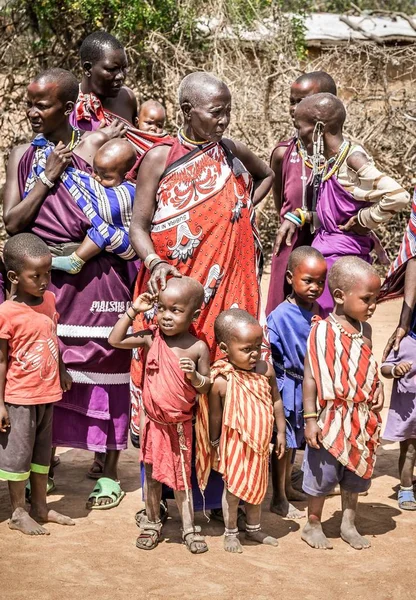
[168, 401]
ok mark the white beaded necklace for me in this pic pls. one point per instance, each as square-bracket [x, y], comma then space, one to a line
[353, 336]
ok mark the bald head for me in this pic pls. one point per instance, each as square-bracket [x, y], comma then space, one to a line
[112, 161]
[65, 82]
[185, 288]
[196, 86]
[347, 271]
[303, 254]
[229, 322]
[316, 82]
[326, 108]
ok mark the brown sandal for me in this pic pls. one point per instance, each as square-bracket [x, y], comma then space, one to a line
[150, 531]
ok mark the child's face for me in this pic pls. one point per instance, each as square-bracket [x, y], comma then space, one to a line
[244, 348]
[34, 277]
[151, 119]
[308, 279]
[359, 302]
[107, 173]
[174, 311]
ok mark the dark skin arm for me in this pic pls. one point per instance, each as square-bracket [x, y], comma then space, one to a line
[313, 434]
[261, 173]
[119, 338]
[4, 415]
[279, 415]
[216, 406]
[194, 370]
[286, 229]
[144, 207]
[409, 302]
[378, 399]
[18, 214]
[64, 376]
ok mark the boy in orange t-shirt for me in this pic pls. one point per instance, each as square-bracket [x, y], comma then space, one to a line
[31, 380]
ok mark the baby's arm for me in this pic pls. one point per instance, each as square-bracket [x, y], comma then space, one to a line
[313, 434]
[74, 262]
[279, 415]
[216, 398]
[4, 415]
[199, 373]
[119, 338]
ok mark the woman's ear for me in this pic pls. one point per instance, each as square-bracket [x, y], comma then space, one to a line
[338, 296]
[69, 107]
[186, 108]
[13, 277]
[86, 67]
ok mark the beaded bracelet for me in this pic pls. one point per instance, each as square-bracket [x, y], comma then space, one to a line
[310, 415]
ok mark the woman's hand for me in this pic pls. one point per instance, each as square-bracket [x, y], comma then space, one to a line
[284, 235]
[57, 161]
[354, 226]
[393, 343]
[158, 277]
[116, 129]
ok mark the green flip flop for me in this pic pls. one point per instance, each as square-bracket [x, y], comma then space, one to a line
[105, 488]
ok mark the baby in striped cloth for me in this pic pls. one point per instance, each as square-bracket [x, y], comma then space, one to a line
[106, 198]
[342, 399]
[243, 403]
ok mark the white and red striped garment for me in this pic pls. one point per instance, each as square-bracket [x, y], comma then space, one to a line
[247, 426]
[346, 376]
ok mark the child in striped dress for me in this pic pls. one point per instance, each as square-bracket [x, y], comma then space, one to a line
[243, 403]
[342, 398]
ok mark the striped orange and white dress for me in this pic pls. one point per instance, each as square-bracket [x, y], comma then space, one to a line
[247, 427]
[346, 375]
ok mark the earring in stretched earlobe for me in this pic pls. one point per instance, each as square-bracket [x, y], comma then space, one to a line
[318, 158]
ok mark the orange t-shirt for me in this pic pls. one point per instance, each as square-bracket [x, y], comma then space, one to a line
[33, 356]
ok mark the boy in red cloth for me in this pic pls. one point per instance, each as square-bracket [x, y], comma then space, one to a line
[176, 370]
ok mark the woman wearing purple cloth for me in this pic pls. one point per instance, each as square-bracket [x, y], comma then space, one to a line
[354, 197]
[94, 415]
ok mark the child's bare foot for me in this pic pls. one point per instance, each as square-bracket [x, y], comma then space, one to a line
[313, 535]
[261, 538]
[284, 509]
[232, 543]
[350, 535]
[51, 516]
[22, 521]
[295, 495]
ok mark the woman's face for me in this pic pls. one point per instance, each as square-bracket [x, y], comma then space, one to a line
[107, 75]
[209, 119]
[305, 129]
[44, 107]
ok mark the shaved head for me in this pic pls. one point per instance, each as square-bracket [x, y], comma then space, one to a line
[229, 321]
[346, 271]
[320, 81]
[322, 107]
[196, 86]
[189, 288]
[66, 82]
[151, 105]
[116, 152]
[303, 254]
[94, 45]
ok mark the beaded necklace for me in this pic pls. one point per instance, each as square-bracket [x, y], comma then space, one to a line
[182, 138]
[74, 142]
[339, 159]
[353, 336]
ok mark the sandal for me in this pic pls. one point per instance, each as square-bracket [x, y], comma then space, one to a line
[196, 538]
[407, 500]
[141, 516]
[150, 531]
[105, 488]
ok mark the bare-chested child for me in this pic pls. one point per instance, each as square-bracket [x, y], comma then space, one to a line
[342, 398]
[151, 117]
[32, 379]
[243, 403]
[176, 370]
[112, 214]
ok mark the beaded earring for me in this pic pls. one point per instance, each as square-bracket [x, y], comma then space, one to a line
[318, 158]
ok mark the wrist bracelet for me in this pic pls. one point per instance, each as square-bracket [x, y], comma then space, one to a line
[301, 214]
[359, 220]
[293, 219]
[203, 381]
[310, 415]
[155, 264]
[129, 316]
[393, 373]
[134, 309]
[149, 259]
[46, 181]
[215, 443]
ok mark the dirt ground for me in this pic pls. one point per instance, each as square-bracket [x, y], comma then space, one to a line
[97, 559]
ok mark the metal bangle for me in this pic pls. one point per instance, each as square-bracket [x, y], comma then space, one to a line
[150, 258]
[203, 381]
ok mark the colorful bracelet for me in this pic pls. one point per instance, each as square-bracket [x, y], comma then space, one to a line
[302, 215]
[289, 216]
[310, 415]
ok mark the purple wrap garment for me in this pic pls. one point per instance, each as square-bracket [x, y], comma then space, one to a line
[335, 207]
[291, 199]
[94, 414]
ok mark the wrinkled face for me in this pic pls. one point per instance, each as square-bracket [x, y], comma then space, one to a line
[211, 117]
[359, 302]
[298, 92]
[151, 119]
[34, 277]
[107, 74]
[308, 280]
[244, 347]
[44, 108]
[174, 311]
